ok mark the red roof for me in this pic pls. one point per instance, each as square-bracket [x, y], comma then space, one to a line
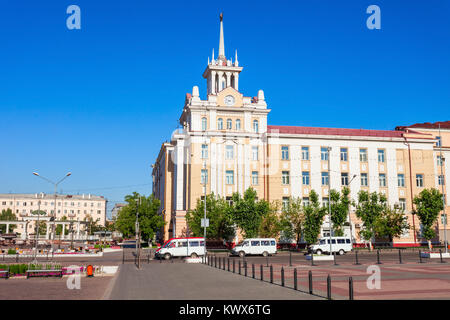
[335, 131]
[427, 125]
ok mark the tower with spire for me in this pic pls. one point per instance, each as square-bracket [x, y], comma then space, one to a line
[222, 73]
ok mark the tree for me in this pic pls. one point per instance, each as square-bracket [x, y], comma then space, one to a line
[42, 228]
[428, 205]
[247, 212]
[392, 223]
[7, 215]
[149, 219]
[314, 214]
[59, 227]
[218, 213]
[292, 219]
[339, 205]
[369, 209]
[92, 225]
[270, 225]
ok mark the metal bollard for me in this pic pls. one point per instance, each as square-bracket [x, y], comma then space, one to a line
[329, 287]
[234, 266]
[228, 263]
[282, 276]
[245, 268]
[261, 271]
[271, 274]
[420, 256]
[400, 256]
[239, 266]
[220, 260]
[215, 262]
[310, 279]
[295, 279]
[356, 258]
[334, 258]
[378, 257]
[253, 270]
[290, 258]
[440, 254]
[267, 261]
[223, 264]
[350, 288]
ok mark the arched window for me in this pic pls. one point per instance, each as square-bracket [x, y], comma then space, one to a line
[220, 124]
[255, 126]
[204, 124]
[238, 124]
[229, 124]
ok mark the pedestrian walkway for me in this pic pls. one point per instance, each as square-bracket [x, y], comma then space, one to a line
[181, 281]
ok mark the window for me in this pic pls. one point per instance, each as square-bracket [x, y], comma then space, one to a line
[229, 177]
[182, 244]
[255, 177]
[439, 161]
[419, 180]
[382, 179]
[255, 126]
[229, 152]
[441, 180]
[285, 203]
[193, 243]
[363, 155]
[344, 154]
[340, 241]
[265, 243]
[402, 203]
[204, 124]
[238, 124]
[364, 182]
[229, 124]
[255, 243]
[401, 180]
[325, 178]
[284, 153]
[439, 141]
[220, 124]
[305, 178]
[325, 202]
[285, 177]
[305, 202]
[204, 176]
[305, 153]
[98, 211]
[324, 153]
[255, 153]
[381, 155]
[344, 179]
[229, 200]
[204, 151]
[272, 242]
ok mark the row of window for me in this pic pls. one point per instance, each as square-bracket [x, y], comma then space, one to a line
[229, 124]
[59, 211]
[229, 177]
[325, 201]
[229, 152]
[24, 204]
[324, 154]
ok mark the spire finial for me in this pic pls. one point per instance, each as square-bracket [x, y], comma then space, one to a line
[221, 41]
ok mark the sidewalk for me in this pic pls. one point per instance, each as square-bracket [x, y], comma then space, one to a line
[180, 281]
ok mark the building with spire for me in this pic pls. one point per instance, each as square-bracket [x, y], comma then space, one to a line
[226, 146]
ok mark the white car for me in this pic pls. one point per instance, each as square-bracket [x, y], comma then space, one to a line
[264, 246]
[182, 247]
[339, 245]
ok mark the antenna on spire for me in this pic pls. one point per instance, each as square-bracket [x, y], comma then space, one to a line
[221, 41]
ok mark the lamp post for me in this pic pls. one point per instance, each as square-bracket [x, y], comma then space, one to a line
[37, 233]
[444, 216]
[55, 184]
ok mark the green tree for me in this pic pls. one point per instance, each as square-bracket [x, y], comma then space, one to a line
[271, 225]
[58, 229]
[292, 219]
[247, 212]
[217, 211]
[42, 228]
[428, 205]
[9, 216]
[149, 219]
[91, 225]
[314, 214]
[392, 223]
[339, 205]
[369, 209]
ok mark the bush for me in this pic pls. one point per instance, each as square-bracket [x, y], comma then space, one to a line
[11, 251]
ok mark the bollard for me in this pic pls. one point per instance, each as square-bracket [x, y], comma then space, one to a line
[215, 262]
[356, 258]
[295, 279]
[400, 256]
[223, 265]
[239, 266]
[253, 270]
[228, 263]
[312, 259]
[420, 257]
[334, 258]
[310, 282]
[271, 274]
[245, 268]
[261, 271]
[282, 276]
[329, 287]
[148, 258]
[290, 258]
[234, 269]
[350, 288]
[267, 261]
[378, 257]
[220, 260]
[440, 254]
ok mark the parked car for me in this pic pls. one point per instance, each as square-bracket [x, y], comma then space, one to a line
[181, 247]
[339, 245]
[264, 246]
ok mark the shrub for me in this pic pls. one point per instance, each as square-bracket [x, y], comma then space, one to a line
[11, 251]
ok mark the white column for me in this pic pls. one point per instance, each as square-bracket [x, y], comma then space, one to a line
[180, 174]
[220, 81]
[7, 227]
[63, 230]
[78, 229]
[228, 74]
[236, 78]
[213, 82]
[46, 231]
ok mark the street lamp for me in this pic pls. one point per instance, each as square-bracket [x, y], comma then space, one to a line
[36, 236]
[55, 184]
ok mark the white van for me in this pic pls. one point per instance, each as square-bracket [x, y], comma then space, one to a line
[264, 246]
[340, 245]
[182, 247]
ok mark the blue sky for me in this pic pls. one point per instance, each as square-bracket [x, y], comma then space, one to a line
[100, 101]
